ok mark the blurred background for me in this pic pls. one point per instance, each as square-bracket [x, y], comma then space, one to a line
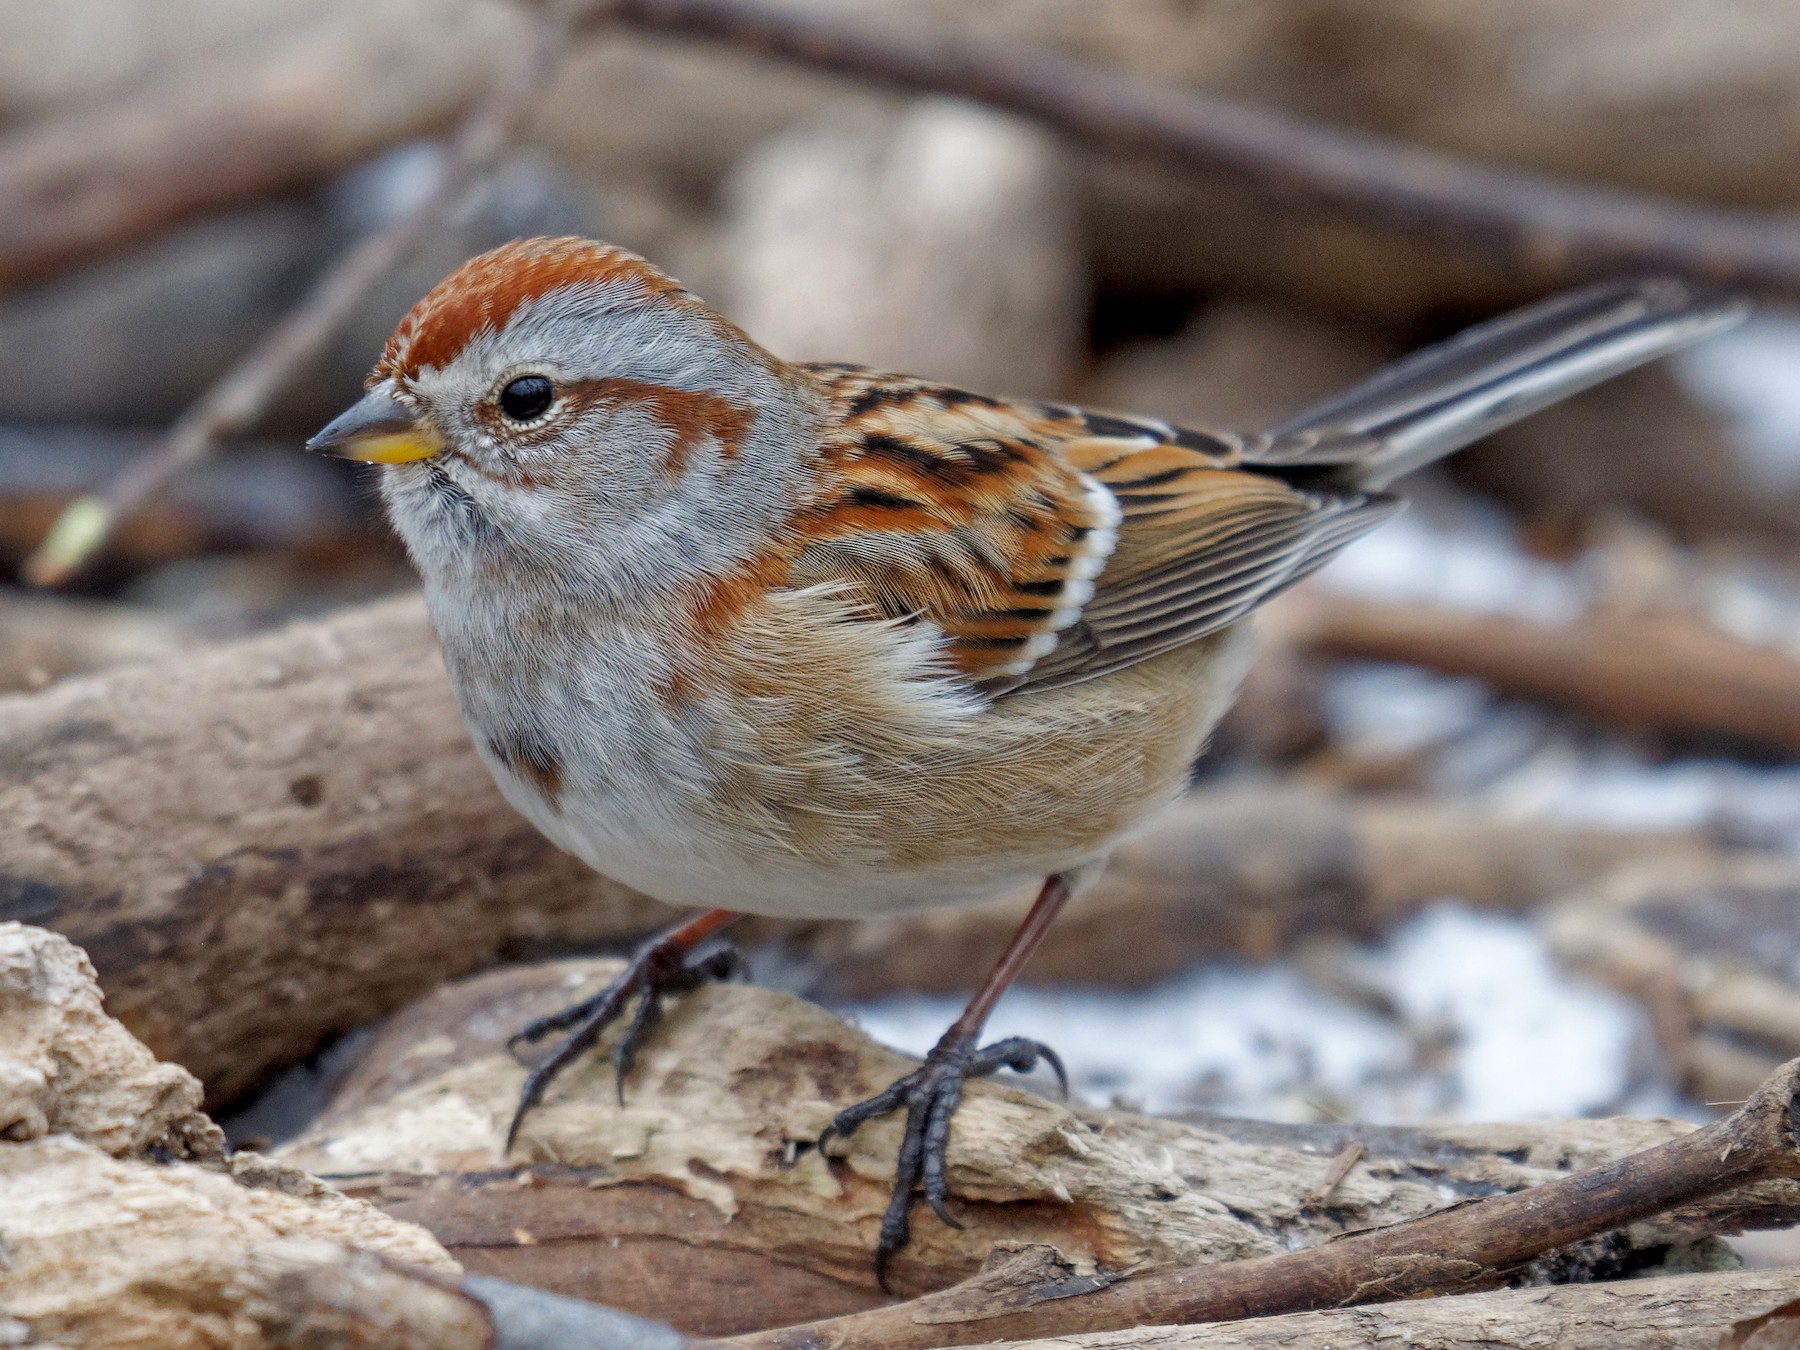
[1592, 620]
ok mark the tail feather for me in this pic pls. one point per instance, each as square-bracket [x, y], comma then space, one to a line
[1442, 398]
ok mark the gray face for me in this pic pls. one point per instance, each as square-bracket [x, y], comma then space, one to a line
[665, 447]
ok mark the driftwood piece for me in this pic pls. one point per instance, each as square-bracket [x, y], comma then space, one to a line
[702, 1199]
[106, 1246]
[123, 1224]
[45, 638]
[1654, 671]
[268, 842]
[120, 1217]
[1711, 949]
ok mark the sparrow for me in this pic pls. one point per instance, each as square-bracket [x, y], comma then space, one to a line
[818, 641]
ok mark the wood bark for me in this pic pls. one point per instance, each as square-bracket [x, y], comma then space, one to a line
[269, 842]
[1455, 1249]
[702, 1199]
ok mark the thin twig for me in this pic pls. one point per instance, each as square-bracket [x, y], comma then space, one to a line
[233, 405]
[1347, 1157]
[1465, 1247]
[1551, 229]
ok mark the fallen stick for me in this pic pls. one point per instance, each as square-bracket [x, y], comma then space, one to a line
[702, 1201]
[1678, 1312]
[79, 185]
[265, 843]
[1657, 671]
[1463, 1247]
[1545, 227]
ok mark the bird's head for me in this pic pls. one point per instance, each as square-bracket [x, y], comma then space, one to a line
[560, 404]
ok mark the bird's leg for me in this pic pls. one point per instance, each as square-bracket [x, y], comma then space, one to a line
[658, 967]
[931, 1092]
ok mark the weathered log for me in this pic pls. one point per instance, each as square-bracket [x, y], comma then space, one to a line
[106, 1246]
[1457, 1249]
[269, 842]
[702, 1199]
[273, 841]
[123, 1221]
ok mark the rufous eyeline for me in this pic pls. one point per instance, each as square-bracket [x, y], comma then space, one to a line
[818, 641]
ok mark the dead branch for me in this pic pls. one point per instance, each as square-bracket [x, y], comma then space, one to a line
[1461, 1248]
[701, 1200]
[233, 405]
[1549, 229]
[265, 843]
[79, 185]
[1680, 1312]
[1665, 672]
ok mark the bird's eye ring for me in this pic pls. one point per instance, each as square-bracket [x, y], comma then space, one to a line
[527, 398]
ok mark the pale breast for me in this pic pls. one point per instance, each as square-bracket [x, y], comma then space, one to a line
[812, 767]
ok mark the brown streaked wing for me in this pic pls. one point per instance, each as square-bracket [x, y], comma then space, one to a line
[948, 506]
[1199, 547]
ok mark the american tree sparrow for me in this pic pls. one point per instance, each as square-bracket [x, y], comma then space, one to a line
[830, 643]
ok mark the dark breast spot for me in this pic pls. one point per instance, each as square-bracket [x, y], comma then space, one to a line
[530, 758]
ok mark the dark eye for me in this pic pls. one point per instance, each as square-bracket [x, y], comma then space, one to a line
[527, 397]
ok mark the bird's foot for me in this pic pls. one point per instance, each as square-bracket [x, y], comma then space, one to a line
[661, 966]
[931, 1094]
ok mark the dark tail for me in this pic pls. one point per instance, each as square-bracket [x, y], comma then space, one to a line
[1440, 399]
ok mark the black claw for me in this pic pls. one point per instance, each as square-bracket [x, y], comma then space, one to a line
[654, 970]
[931, 1093]
[1021, 1055]
[649, 1013]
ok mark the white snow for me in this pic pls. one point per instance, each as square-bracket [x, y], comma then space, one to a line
[1751, 375]
[1478, 567]
[1486, 1028]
